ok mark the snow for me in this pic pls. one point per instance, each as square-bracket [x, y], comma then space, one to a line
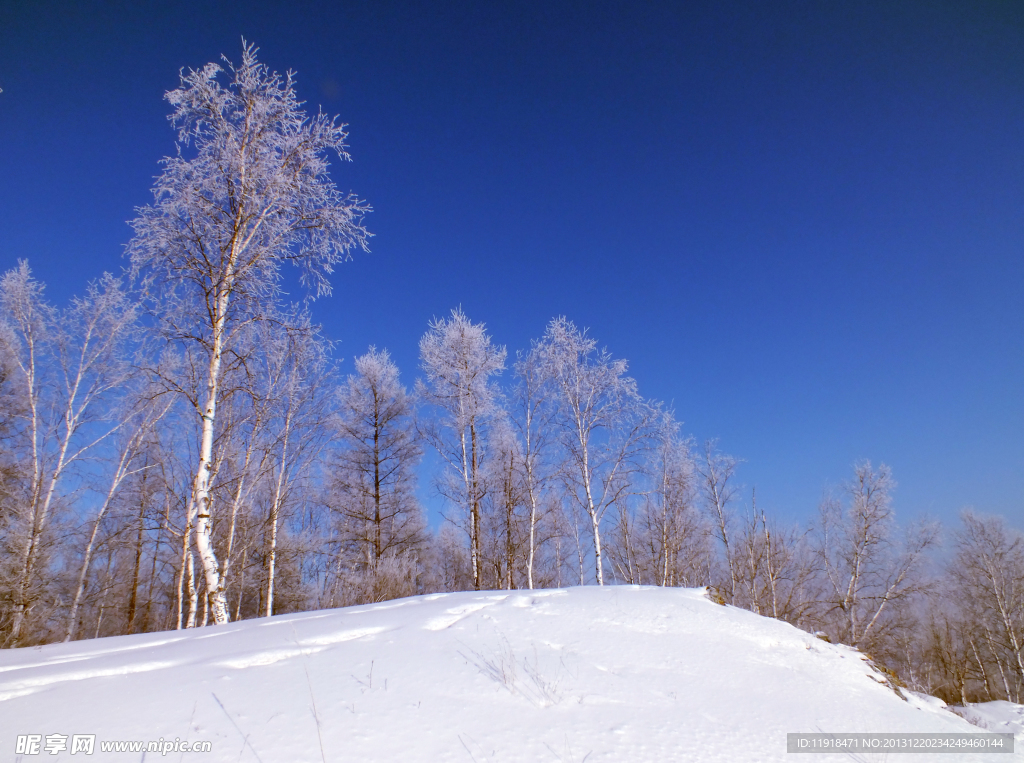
[999, 717]
[619, 673]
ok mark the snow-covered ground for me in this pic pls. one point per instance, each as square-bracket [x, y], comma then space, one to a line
[999, 717]
[613, 674]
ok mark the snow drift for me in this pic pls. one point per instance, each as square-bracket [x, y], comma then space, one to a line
[597, 674]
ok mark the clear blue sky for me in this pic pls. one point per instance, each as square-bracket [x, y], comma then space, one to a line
[800, 222]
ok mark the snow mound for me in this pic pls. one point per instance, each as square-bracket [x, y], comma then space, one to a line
[598, 674]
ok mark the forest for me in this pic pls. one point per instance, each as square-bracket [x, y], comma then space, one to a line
[180, 447]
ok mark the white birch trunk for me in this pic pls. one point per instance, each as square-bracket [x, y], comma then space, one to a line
[193, 602]
[204, 517]
[275, 510]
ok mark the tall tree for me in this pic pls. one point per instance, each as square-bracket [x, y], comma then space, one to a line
[459, 360]
[673, 532]
[988, 576]
[247, 191]
[70, 363]
[299, 380]
[531, 417]
[716, 471]
[374, 477]
[869, 567]
[142, 411]
[604, 426]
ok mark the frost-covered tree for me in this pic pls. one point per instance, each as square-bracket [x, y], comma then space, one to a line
[68, 367]
[988, 583]
[247, 191]
[673, 536]
[716, 471]
[297, 381]
[531, 411]
[373, 479]
[143, 409]
[604, 426]
[869, 566]
[459, 361]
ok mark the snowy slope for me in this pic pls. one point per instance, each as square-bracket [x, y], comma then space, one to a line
[613, 674]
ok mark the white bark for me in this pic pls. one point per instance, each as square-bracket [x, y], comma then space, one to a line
[83, 350]
[866, 564]
[275, 511]
[604, 425]
[151, 414]
[459, 360]
[254, 194]
[204, 472]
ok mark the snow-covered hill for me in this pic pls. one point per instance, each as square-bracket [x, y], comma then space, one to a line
[613, 674]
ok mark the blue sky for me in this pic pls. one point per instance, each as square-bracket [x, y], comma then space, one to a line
[800, 222]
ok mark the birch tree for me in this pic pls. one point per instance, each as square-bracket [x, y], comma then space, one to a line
[245, 429]
[68, 365]
[604, 426]
[675, 537]
[247, 191]
[869, 567]
[144, 412]
[988, 575]
[459, 359]
[300, 380]
[716, 471]
[531, 417]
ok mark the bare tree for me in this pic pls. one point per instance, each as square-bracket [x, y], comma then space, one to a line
[459, 360]
[247, 191]
[14, 479]
[988, 572]
[716, 471]
[868, 567]
[775, 567]
[954, 660]
[504, 498]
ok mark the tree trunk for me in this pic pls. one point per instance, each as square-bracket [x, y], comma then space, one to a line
[509, 538]
[275, 510]
[271, 561]
[475, 519]
[595, 518]
[193, 602]
[533, 528]
[133, 599]
[376, 481]
[186, 563]
[204, 472]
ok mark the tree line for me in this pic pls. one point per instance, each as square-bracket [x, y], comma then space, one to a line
[178, 447]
